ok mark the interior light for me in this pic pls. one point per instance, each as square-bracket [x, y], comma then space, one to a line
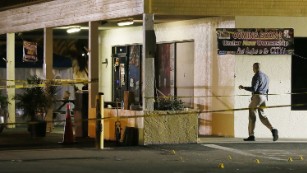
[125, 23]
[83, 54]
[73, 29]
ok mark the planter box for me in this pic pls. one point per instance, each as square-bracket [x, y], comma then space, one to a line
[156, 127]
[170, 127]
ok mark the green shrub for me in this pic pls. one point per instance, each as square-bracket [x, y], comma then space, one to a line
[168, 103]
[36, 99]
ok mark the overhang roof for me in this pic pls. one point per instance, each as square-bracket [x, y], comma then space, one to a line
[29, 15]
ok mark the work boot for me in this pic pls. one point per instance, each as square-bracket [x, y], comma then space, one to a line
[250, 138]
[275, 134]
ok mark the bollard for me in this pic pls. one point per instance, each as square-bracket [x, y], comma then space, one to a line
[99, 121]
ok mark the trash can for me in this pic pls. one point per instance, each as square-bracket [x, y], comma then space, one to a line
[81, 114]
[131, 136]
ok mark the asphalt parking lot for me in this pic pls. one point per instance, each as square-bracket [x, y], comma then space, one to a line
[21, 153]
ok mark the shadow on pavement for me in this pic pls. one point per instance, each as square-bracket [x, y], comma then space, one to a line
[20, 138]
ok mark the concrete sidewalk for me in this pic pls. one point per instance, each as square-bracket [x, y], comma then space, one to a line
[218, 140]
[17, 138]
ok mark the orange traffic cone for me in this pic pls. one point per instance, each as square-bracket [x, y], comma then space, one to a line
[68, 136]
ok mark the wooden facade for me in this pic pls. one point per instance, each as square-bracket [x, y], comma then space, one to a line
[293, 8]
[11, 4]
[54, 13]
[66, 12]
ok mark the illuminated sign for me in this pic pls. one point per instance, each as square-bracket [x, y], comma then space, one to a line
[260, 41]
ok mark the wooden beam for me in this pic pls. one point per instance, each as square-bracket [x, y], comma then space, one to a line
[65, 12]
[93, 62]
[48, 53]
[48, 66]
[93, 74]
[293, 8]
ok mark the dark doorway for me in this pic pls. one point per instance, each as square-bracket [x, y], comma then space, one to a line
[299, 75]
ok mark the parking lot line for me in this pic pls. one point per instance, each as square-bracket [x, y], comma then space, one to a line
[243, 153]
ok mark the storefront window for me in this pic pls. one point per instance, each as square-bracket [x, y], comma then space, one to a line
[165, 69]
[127, 73]
[169, 81]
[175, 71]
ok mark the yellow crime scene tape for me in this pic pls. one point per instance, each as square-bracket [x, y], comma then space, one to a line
[54, 82]
[151, 115]
[68, 82]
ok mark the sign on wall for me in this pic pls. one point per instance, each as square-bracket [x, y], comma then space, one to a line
[29, 51]
[256, 41]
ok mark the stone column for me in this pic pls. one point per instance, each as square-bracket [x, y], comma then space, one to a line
[10, 76]
[47, 68]
[148, 63]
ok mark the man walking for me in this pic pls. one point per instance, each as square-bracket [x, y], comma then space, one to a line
[259, 89]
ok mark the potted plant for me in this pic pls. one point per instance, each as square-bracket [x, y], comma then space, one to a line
[35, 100]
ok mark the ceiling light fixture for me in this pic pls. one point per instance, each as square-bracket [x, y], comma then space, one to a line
[125, 23]
[73, 29]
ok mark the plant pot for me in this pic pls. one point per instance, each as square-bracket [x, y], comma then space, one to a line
[37, 129]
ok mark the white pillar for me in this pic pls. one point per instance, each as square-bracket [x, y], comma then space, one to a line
[148, 63]
[10, 76]
[47, 68]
